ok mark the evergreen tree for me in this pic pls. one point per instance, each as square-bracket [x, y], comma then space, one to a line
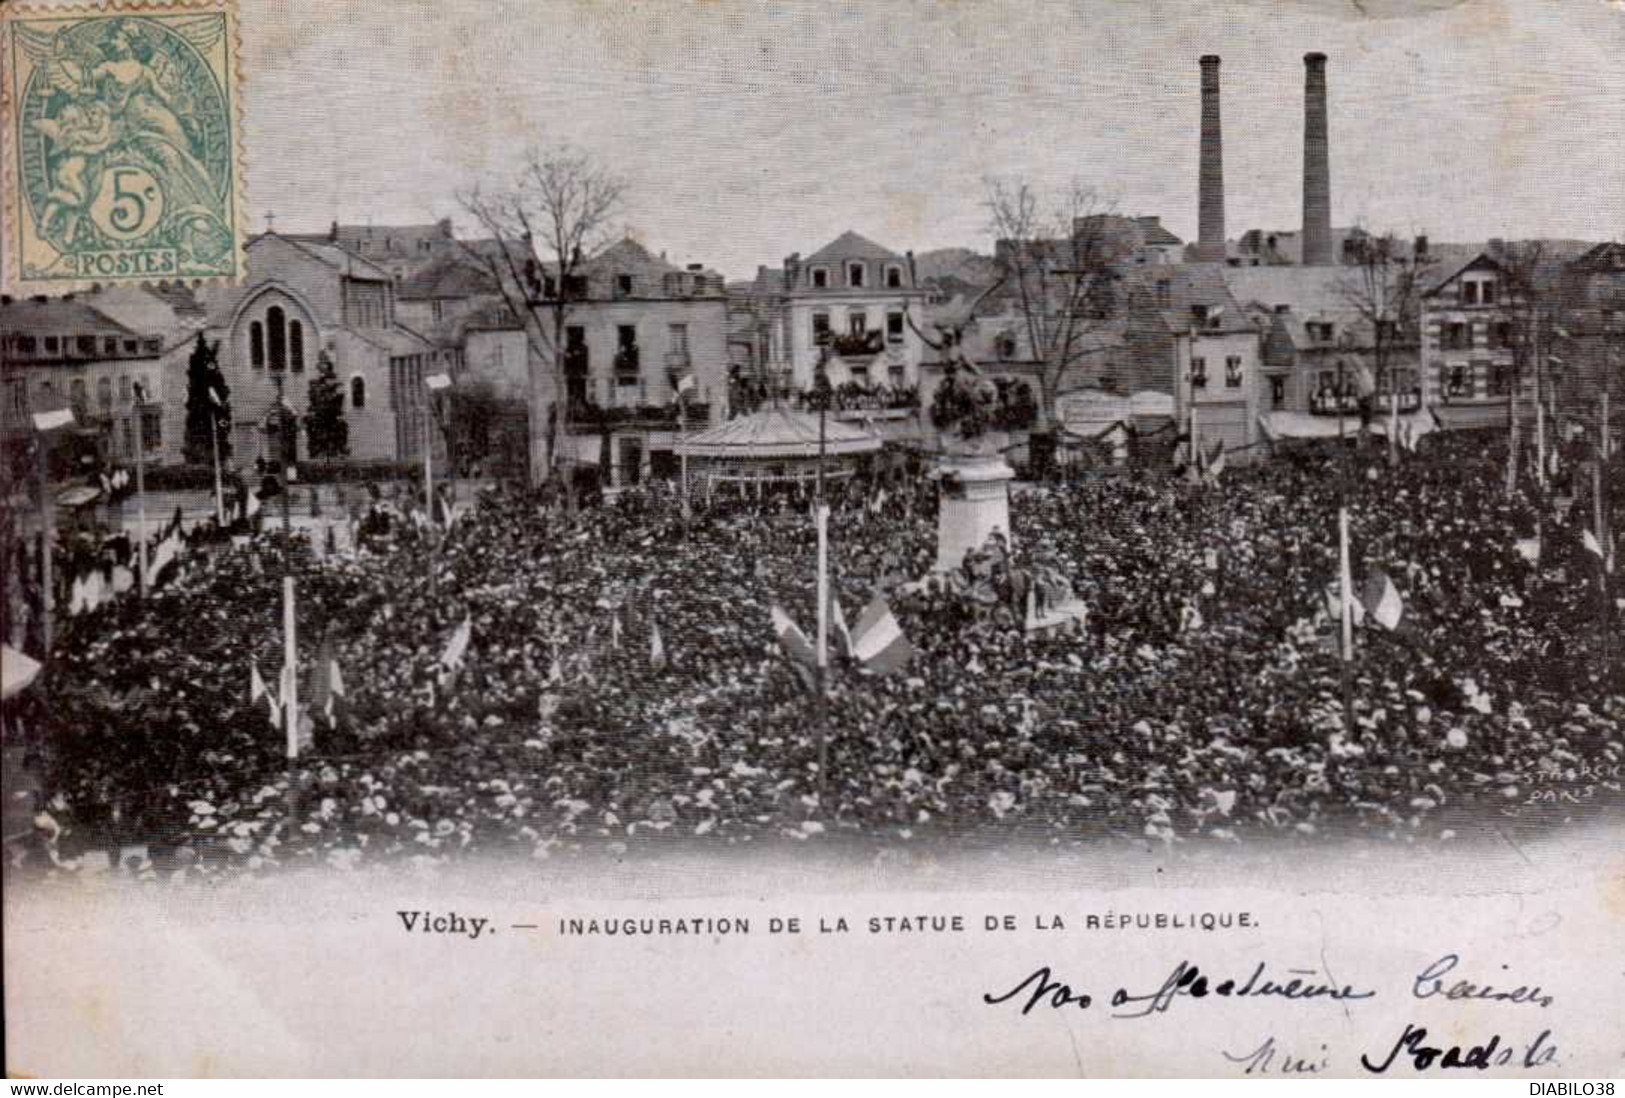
[326, 431]
[208, 405]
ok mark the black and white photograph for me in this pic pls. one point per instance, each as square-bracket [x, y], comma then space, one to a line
[925, 537]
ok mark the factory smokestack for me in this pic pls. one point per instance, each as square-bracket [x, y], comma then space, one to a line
[1317, 168]
[1210, 177]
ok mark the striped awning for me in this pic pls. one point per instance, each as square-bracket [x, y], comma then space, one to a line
[1471, 417]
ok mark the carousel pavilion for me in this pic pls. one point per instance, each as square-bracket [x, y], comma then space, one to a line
[775, 446]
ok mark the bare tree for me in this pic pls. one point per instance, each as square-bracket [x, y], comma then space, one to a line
[1529, 331]
[1384, 286]
[542, 232]
[1059, 268]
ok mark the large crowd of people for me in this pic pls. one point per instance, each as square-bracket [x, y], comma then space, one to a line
[623, 687]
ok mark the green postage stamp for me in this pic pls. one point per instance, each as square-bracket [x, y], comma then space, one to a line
[122, 143]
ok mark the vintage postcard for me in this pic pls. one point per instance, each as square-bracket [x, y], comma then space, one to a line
[123, 144]
[808, 538]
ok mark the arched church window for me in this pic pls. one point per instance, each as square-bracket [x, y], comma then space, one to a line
[279, 337]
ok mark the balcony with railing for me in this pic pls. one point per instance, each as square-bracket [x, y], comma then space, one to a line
[1410, 400]
[1331, 402]
[857, 401]
[857, 344]
[591, 415]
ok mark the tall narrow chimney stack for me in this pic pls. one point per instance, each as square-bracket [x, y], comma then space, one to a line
[1317, 168]
[1210, 177]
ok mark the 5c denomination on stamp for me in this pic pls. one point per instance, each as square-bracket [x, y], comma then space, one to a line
[121, 143]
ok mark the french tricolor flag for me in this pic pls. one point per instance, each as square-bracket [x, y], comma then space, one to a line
[1383, 603]
[878, 643]
[795, 644]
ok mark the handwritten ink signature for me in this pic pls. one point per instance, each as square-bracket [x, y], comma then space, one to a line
[1412, 1045]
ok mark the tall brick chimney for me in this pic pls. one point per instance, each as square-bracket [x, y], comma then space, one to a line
[1210, 176]
[1317, 168]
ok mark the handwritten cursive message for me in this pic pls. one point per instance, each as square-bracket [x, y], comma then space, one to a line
[1442, 982]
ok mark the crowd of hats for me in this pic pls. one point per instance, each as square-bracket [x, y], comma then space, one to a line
[1199, 701]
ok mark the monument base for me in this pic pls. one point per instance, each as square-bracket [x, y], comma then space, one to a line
[975, 503]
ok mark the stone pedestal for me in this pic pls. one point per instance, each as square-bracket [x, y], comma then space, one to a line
[975, 502]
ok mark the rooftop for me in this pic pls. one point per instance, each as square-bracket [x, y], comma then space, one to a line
[449, 277]
[350, 264]
[57, 316]
[1177, 290]
[851, 245]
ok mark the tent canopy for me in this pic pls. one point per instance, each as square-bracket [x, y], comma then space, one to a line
[1299, 425]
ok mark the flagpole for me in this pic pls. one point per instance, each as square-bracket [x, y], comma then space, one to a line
[1602, 459]
[682, 453]
[47, 542]
[1393, 414]
[140, 499]
[428, 491]
[428, 462]
[290, 665]
[821, 520]
[1195, 442]
[1540, 413]
[1346, 585]
[1602, 531]
[290, 651]
[214, 447]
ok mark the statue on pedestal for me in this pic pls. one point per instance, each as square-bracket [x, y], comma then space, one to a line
[975, 501]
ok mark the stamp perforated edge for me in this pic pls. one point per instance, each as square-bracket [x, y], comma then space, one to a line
[10, 170]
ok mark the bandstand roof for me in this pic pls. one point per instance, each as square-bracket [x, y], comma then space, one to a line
[778, 433]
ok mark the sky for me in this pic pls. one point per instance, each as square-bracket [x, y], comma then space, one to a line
[750, 130]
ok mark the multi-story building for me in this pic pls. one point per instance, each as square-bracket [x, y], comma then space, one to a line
[1320, 353]
[398, 250]
[443, 291]
[1472, 345]
[844, 306]
[1590, 346]
[1186, 329]
[634, 326]
[64, 352]
[756, 336]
